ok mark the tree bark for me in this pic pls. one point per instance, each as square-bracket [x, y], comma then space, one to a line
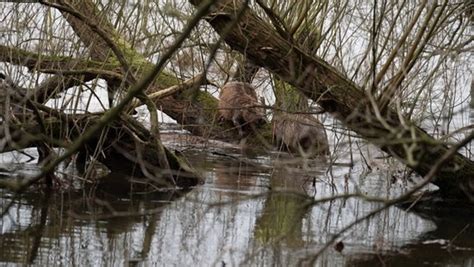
[337, 94]
[127, 147]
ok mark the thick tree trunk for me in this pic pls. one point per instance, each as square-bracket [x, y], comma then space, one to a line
[337, 94]
[288, 99]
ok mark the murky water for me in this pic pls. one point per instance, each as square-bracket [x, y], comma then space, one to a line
[252, 210]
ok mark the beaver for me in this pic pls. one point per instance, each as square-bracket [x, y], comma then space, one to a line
[238, 103]
[300, 133]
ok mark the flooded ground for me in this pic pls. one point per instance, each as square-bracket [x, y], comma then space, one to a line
[251, 210]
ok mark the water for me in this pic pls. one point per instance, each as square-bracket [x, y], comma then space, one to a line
[251, 210]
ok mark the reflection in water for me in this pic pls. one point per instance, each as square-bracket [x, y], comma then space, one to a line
[279, 227]
[450, 243]
[87, 227]
[245, 214]
[38, 232]
[281, 220]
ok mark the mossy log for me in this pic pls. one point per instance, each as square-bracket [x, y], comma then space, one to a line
[195, 109]
[109, 52]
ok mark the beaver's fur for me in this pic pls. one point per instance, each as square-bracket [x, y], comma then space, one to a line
[300, 133]
[238, 103]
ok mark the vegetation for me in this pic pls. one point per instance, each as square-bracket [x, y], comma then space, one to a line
[392, 73]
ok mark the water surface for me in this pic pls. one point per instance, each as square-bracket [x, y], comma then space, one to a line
[251, 210]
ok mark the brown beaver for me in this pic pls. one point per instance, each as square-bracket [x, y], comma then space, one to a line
[238, 103]
[300, 133]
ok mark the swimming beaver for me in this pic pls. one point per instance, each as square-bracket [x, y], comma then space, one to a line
[238, 103]
[300, 133]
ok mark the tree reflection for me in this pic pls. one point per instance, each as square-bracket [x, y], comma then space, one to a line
[114, 207]
[451, 243]
[280, 224]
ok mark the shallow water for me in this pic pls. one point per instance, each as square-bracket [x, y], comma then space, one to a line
[251, 210]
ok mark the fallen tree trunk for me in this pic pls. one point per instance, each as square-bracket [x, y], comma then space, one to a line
[118, 141]
[194, 109]
[131, 149]
[315, 78]
[125, 147]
